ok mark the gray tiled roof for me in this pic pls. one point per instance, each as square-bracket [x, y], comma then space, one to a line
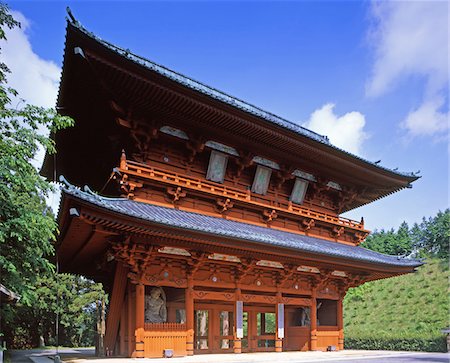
[236, 230]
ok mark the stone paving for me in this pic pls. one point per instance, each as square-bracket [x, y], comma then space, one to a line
[288, 357]
[354, 356]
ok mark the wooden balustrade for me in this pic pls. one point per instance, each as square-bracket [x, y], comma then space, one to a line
[165, 326]
[160, 175]
[160, 336]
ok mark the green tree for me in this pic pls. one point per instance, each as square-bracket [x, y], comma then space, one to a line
[74, 298]
[27, 226]
[432, 236]
[390, 242]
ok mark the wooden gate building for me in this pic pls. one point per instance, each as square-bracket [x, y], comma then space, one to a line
[214, 224]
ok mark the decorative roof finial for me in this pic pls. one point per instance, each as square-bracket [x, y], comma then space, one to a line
[64, 181]
[123, 160]
[71, 17]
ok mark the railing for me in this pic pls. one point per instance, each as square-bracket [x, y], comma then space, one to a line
[164, 326]
[160, 336]
[160, 175]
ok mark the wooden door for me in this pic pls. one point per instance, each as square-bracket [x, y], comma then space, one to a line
[262, 328]
[202, 336]
[213, 328]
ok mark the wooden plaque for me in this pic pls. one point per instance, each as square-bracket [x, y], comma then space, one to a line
[217, 166]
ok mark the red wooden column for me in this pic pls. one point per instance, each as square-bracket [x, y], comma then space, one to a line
[340, 322]
[115, 307]
[189, 306]
[123, 328]
[140, 320]
[279, 315]
[130, 319]
[237, 347]
[313, 315]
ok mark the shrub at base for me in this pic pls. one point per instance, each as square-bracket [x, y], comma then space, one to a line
[436, 344]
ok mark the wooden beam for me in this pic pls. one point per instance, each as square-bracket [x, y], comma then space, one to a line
[115, 307]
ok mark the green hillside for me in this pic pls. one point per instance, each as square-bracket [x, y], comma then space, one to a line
[405, 312]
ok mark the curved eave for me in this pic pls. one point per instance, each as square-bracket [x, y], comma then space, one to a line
[183, 224]
[385, 181]
[269, 119]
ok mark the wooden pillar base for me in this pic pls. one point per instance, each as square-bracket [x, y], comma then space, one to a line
[139, 349]
[190, 343]
[341, 343]
[237, 346]
[313, 342]
[278, 345]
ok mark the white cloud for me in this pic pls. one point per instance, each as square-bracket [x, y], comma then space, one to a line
[34, 78]
[346, 131]
[436, 122]
[410, 39]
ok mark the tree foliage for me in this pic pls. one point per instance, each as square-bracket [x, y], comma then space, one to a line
[430, 238]
[27, 226]
[75, 300]
[28, 230]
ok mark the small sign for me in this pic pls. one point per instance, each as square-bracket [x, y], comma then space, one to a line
[239, 319]
[262, 179]
[280, 322]
[299, 191]
[217, 167]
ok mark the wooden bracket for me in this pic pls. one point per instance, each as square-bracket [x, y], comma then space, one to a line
[270, 216]
[137, 256]
[307, 224]
[224, 205]
[195, 262]
[283, 175]
[247, 265]
[336, 232]
[359, 237]
[194, 146]
[128, 186]
[317, 188]
[344, 198]
[287, 273]
[242, 163]
[142, 134]
[175, 194]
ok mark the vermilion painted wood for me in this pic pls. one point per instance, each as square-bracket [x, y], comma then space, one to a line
[115, 307]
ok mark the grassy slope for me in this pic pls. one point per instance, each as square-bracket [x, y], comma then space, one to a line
[408, 306]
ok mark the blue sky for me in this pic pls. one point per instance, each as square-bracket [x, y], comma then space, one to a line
[371, 76]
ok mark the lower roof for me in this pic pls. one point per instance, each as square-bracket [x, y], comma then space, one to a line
[240, 231]
[7, 296]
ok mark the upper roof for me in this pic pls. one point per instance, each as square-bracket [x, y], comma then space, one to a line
[96, 72]
[221, 96]
[244, 232]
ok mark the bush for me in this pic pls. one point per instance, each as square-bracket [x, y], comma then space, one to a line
[435, 344]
